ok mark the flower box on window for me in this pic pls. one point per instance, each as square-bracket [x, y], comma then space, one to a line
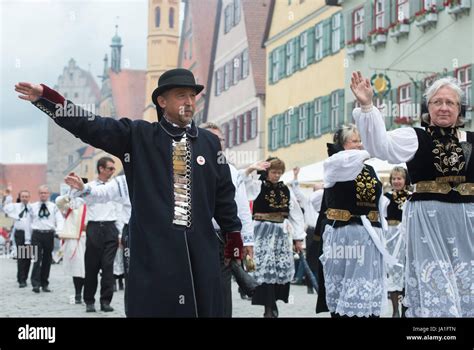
[399, 29]
[378, 37]
[456, 7]
[426, 17]
[355, 47]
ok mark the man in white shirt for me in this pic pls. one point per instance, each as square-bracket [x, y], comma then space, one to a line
[46, 221]
[101, 243]
[115, 190]
[21, 234]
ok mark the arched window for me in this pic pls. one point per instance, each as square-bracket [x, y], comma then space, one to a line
[157, 17]
[171, 17]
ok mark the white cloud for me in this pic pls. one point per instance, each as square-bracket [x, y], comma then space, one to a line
[37, 39]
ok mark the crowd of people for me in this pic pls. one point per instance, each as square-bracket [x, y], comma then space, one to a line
[179, 223]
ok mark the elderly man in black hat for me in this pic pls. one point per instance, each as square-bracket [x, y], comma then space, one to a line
[177, 185]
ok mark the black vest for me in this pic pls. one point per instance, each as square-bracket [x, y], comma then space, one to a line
[359, 196]
[394, 209]
[423, 168]
[273, 198]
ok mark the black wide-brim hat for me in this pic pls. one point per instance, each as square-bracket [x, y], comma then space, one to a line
[174, 78]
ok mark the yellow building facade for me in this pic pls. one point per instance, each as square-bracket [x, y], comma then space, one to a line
[162, 46]
[305, 80]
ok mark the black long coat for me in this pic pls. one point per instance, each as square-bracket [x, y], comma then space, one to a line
[174, 271]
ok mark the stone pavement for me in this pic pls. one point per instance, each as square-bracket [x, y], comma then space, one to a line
[22, 302]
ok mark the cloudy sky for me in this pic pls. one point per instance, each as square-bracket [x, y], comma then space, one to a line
[37, 39]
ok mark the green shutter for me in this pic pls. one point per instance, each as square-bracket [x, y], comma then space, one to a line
[294, 125]
[296, 53]
[368, 18]
[393, 12]
[349, 109]
[310, 117]
[387, 20]
[415, 6]
[342, 31]
[348, 26]
[270, 68]
[326, 114]
[281, 130]
[282, 59]
[327, 37]
[270, 132]
[310, 45]
[341, 108]
[416, 97]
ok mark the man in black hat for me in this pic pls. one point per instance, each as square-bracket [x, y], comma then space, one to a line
[176, 185]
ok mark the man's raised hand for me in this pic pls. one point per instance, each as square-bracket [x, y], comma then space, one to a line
[29, 92]
[74, 181]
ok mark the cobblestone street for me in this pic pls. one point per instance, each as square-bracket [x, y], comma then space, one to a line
[22, 302]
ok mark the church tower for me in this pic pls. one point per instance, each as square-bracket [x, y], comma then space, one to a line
[162, 46]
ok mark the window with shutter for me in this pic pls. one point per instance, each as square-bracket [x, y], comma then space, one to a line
[238, 130]
[245, 128]
[358, 24]
[294, 113]
[464, 75]
[245, 63]
[340, 121]
[231, 136]
[227, 18]
[253, 122]
[236, 69]
[296, 60]
[318, 38]
[317, 116]
[276, 66]
[326, 37]
[336, 32]
[236, 12]
[310, 45]
[225, 127]
[403, 10]
[227, 77]
[218, 82]
[270, 68]
[289, 57]
[303, 49]
[302, 122]
[334, 110]
[274, 132]
[326, 114]
[282, 54]
[379, 14]
[287, 128]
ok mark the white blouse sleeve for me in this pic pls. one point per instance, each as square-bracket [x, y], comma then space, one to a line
[383, 205]
[384, 202]
[343, 166]
[316, 199]
[252, 184]
[396, 146]
[296, 219]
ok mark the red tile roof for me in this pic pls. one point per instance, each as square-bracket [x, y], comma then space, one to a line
[128, 92]
[23, 177]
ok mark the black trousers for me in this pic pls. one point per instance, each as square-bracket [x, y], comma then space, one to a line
[23, 256]
[43, 243]
[126, 261]
[226, 277]
[101, 246]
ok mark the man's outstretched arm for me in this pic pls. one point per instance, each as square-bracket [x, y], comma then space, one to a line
[113, 136]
